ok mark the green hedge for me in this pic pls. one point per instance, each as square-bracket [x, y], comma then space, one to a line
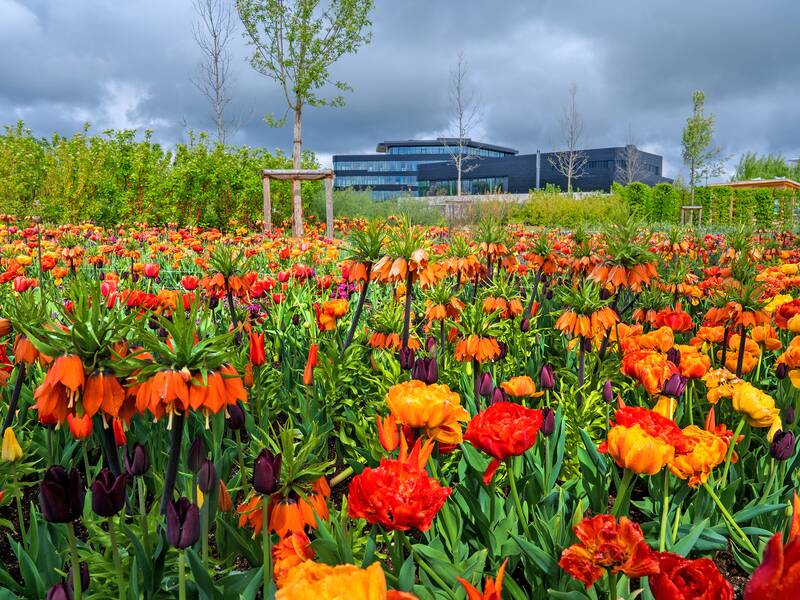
[121, 177]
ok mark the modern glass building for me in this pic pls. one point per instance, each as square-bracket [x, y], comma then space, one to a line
[392, 171]
[524, 172]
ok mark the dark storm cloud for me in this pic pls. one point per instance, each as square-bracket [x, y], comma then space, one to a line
[635, 64]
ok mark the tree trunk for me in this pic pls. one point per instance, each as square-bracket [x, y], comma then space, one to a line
[297, 201]
[458, 178]
[691, 180]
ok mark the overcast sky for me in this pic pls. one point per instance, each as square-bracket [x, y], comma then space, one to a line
[128, 64]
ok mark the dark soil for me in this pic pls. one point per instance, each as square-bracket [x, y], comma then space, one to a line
[7, 556]
[731, 570]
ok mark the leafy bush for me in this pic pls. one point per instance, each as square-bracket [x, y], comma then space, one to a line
[120, 177]
[548, 208]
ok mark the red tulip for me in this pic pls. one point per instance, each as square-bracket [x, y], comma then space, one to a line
[151, 270]
[257, 357]
[684, 579]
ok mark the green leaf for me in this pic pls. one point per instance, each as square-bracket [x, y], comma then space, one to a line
[687, 542]
[201, 577]
[545, 563]
[407, 575]
[141, 556]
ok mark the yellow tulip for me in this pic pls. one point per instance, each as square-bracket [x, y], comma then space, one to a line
[756, 405]
[11, 450]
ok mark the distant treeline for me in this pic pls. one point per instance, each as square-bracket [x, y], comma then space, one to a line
[120, 177]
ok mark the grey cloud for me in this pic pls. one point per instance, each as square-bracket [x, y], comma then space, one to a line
[635, 65]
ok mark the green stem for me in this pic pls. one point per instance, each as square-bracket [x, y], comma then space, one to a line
[143, 513]
[243, 473]
[85, 461]
[773, 469]
[612, 586]
[18, 498]
[117, 561]
[204, 528]
[732, 525]
[620, 502]
[512, 482]
[676, 524]
[76, 565]
[662, 538]
[739, 428]
[266, 546]
[181, 576]
[341, 477]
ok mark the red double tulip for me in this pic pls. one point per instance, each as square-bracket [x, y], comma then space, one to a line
[502, 430]
[684, 579]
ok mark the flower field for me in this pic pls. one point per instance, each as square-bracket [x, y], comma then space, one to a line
[399, 413]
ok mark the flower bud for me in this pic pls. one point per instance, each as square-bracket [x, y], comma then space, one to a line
[605, 294]
[433, 371]
[525, 325]
[499, 395]
[236, 416]
[207, 477]
[674, 356]
[782, 370]
[420, 370]
[548, 421]
[183, 523]
[547, 377]
[59, 591]
[675, 386]
[406, 357]
[388, 433]
[782, 447]
[197, 454]
[485, 384]
[503, 350]
[136, 462]
[430, 344]
[608, 392]
[788, 415]
[108, 493]
[267, 473]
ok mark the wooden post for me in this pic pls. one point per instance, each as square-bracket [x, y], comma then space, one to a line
[329, 206]
[265, 180]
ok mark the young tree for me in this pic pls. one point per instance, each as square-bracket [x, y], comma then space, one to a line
[630, 167]
[466, 115]
[295, 43]
[571, 162]
[212, 32]
[702, 159]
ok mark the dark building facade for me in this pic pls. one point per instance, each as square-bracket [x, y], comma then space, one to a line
[392, 171]
[518, 174]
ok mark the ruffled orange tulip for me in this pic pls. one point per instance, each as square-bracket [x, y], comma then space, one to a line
[432, 407]
[708, 450]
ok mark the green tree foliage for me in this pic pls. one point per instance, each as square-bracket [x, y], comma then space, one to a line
[122, 177]
[767, 166]
[699, 155]
[295, 42]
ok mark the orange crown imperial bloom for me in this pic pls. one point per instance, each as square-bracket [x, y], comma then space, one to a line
[322, 582]
[56, 396]
[708, 450]
[477, 348]
[433, 407]
[102, 391]
[504, 429]
[520, 387]
[605, 544]
[493, 590]
[398, 494]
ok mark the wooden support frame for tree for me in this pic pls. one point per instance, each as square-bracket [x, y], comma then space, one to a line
[688, 214]
[267, 175]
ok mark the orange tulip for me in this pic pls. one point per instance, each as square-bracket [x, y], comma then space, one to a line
[708, 450]
[520, 387]
[492, 590]
[433, 407]
[634, 449]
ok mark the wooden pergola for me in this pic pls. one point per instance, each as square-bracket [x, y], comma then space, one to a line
[267, 175]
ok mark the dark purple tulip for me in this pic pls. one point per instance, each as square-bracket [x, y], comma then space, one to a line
[525, 325]
[604, 294]
[548, 422]
[675, 386]
[503, 350]
[608, 391]
[59, 591]
[213, 302]
[788, 415]
[197, 454]
[108, 493]
[84, 569]
[782, 447]
[498, 395]
[236, 416]
[406, 356]
[267, 473]
[207, 477]
[430, 344]
[183, 523]
[782, 370]
[136, 462]
[433, 370]
[420, 370]
[485, 384]
[549, 294]
[547, 377]
[674, 356]
[295, 320]
[61, 495]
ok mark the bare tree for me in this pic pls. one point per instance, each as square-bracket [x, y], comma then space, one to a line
[212, 32]
[630, 166]
[570, 162]
[466, 115]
